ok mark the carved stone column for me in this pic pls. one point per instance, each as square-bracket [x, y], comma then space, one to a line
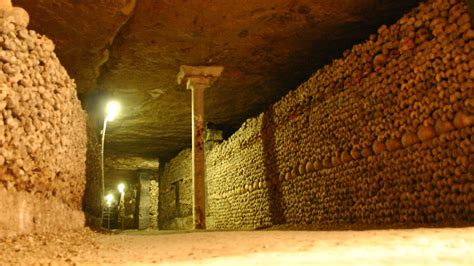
[197, 80]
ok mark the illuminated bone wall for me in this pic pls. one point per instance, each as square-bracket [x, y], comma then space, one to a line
[380, 137]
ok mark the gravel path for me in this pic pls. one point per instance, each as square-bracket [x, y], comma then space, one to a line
[377, 247]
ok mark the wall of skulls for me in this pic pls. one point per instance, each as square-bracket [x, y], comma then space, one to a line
[237, 184]
[381, 137]
[384, 135]
[42, 124]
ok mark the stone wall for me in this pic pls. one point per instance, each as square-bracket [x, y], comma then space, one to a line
[143, 199]
[177, 172]
[42, 134]
[154, 194]
[131, 206]
[116, 162]
[93, 192]
[381, 137]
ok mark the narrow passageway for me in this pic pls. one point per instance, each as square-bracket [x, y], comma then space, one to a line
[263, 132]
[378, 247]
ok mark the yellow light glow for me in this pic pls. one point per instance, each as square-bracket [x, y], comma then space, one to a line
[109, 198]
[112, 109]
[121, 187]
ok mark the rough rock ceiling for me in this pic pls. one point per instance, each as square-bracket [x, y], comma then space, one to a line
[132, 49]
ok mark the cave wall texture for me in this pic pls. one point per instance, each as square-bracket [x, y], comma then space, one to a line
[42, 134]
[381, 137]
[92, 194]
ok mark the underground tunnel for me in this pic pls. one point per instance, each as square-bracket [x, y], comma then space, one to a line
[280, 132]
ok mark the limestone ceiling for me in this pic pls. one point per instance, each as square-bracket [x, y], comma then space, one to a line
[132, 50]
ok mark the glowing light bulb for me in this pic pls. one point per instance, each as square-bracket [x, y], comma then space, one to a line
[112, 109]
[109, 198]
[121, 187]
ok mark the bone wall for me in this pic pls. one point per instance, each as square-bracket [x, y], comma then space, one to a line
[177, 172]
[42, 134]
[391, 124]
[237, 184]
[381, 137]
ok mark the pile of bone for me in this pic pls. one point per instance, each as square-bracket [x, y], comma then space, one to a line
[42, 124]
[237, 183]
[401, 94]
[382, 135]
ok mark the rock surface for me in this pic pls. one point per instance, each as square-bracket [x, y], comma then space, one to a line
[23, 213]
[92, 198]
[131, 163]
[82, 31]
[133, 50]
[144, 200]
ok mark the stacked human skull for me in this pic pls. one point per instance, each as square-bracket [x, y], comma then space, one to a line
[42, 124]
[382, 136]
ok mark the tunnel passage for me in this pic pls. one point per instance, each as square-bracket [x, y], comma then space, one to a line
[137, 208]
[379, 138]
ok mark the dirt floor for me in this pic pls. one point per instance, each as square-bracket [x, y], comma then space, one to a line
[377, 247]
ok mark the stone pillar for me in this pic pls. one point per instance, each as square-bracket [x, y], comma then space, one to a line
[144, 199]
[197, 80]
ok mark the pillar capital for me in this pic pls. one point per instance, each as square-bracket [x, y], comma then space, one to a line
[202, 76]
